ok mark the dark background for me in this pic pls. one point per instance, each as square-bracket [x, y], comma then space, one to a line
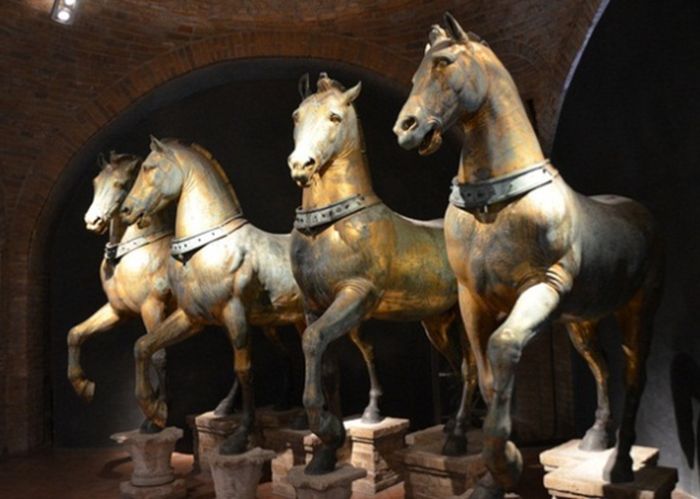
[630, 125]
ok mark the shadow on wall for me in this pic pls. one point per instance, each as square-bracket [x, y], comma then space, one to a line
[685, 387]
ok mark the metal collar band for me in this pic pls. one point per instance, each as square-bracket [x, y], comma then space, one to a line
[497, 190]
[115, 251]
[306, 220]
[179, 248]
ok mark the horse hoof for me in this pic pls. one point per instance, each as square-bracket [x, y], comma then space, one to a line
[323, 461]
[487, 488]
[619, 469]
[84, 388]
[160, 414]
[596, 440]
[235, 444]
[300, 422]
[455, 446]
[149, 427]
[371, 415]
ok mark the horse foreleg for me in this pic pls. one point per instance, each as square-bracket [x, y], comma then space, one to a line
[583, 336]
[636, 322]
[177, 327]
[283, 402]
[153, 314]
[225, 407]
[371, 413]
[352, 303]
[234, 319]
[102, 320]
[531, 310]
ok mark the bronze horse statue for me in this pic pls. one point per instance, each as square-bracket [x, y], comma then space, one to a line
[133, 271]
[223, 271]
[354, 259]
[527, 249]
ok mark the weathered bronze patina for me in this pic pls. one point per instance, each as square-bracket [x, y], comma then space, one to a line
[544, 254]
[133, 271]
[240, 278]
[354, 259]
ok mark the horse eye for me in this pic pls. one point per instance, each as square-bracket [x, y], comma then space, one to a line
[118, 185]
[442, 62]
[335, 118]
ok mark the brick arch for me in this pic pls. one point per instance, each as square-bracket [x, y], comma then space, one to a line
[27, 246]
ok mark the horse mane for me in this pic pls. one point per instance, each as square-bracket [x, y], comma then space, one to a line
[207, 154]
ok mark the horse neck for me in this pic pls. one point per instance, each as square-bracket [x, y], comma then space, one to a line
[498, 138]
[207, 199]
[346, 175]
[120, 232]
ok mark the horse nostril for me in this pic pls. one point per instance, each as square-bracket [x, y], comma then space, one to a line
[125, 210]
[310, 162]
[409, 123]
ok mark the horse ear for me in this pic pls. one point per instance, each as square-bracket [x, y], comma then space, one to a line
[101, 161]
[157, 145]
[427, 47]
[304, 87]
[324, 82]
[353, 93]
[454, 29]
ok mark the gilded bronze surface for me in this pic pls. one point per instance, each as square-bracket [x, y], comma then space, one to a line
[549, 254]
[136, 284]
[371, 263]
[239, 280]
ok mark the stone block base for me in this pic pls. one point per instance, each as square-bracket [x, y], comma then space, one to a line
[573, 473]
[373, 449]
[237, 477]
[335, 485]
[174, 490]
[428, 474]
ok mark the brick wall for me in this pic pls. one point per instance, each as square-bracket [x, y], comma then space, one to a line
[63, 83]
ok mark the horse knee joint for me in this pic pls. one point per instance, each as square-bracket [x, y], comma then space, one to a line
[74, 338]
[503, 348]
[141, 349]
[311, 345]
[158, 358]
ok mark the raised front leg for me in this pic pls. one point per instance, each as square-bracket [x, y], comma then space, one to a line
[583, 335]
[234, 318]
[176, 328]
[153, 314]
[531, 310]
[352, 303]
[102, 320]
[371, 413]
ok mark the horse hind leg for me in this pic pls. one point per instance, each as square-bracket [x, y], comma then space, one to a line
[438, 331]
[102, 320]
[371, 413]
[583, 335]
[636, 323]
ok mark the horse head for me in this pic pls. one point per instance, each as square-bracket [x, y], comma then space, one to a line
[450, 80]
[111, 186]
[325, 125]
[158, 182]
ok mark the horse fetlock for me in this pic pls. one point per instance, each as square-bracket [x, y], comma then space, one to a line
[504, 461]
[371, 414]
[158, 359]
[237, 443]
[597, 438]
[455, 445]
[310, 343]
[83, 387]
[323, 461]
[75, 338]
[504, 349]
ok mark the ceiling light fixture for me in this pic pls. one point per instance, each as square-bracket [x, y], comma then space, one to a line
[63, 11]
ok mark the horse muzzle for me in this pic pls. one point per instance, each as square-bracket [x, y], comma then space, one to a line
[98, 225]
[425, 134]
[302, 169]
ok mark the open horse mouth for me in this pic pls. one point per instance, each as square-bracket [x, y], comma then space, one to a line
[431, 141]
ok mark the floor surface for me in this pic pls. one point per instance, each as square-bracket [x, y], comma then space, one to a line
[96, 473]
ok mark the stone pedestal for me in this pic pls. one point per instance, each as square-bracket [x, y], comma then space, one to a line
[153, 476]
[427, 474]
[335, 485]
[237, 477]
[373, 448]
[577, 474]
[210, 431]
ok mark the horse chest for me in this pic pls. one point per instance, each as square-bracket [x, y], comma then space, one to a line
[495, 255]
